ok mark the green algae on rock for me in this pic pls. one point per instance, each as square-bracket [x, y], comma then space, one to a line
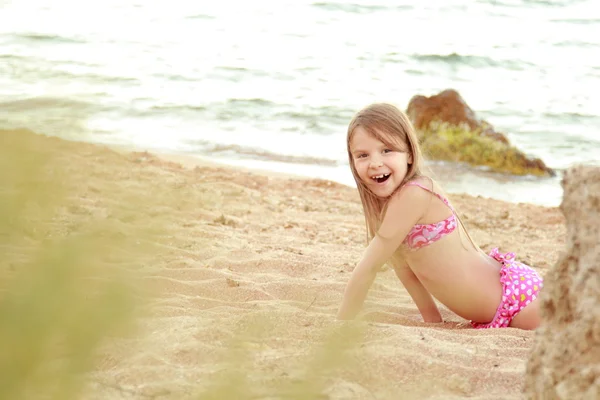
[458, 143]
[449, 130]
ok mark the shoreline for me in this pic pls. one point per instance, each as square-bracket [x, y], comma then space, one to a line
[455, 178]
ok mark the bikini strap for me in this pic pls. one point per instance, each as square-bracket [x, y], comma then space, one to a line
[439, 196]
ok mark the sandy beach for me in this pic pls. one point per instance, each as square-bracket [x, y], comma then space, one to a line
[249, 273]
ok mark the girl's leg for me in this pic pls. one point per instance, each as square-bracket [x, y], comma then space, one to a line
[528, 318]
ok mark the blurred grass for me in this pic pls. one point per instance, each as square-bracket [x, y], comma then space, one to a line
[308, 379]
[61, 290]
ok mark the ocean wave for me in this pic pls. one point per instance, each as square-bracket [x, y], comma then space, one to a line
[233, 73]
[230, 68]
[526, 3]
[229, 110]
[98, 78]
[173, 107]
[357, 8]
[324, 119]
[13, 57]
[571, 116]
[332, 114]
[171, 77]
[25, 68]
[46, 63]
[576, 44]
[40, 37]
[62, 117]
[546, 3]
[250, 102]
[413, 71]
[577, 21]
[200, 16]
[393, 57]
[500, 111]
[38, 103]
[262, 155]
[471, 61]
[30, 72]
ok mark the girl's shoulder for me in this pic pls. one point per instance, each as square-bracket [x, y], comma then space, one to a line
[413, 192]
[426, 187]
[422, 181]
[403, 210]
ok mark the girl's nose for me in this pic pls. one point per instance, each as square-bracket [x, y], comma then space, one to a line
[376, 163]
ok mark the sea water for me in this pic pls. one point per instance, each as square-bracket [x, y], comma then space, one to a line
[272, 84]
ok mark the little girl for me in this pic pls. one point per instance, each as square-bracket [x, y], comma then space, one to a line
[412, 225]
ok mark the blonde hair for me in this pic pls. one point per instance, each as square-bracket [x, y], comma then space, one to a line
[386, 123]
[391, 126]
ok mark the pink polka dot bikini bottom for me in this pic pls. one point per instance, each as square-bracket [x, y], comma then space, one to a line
[520, 286]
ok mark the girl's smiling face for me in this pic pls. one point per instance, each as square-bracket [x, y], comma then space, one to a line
[379, 166]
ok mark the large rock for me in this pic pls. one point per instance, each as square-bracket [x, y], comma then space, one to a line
[565, 362]
[450, 130]
[448, 106]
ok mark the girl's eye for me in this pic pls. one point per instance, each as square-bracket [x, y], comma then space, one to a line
[361, 156]
[387, 151]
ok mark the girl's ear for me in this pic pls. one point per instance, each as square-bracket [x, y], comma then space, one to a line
[410, 159]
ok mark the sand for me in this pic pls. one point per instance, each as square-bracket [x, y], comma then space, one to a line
[248, 276]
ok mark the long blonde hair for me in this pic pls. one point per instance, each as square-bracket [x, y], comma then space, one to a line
[391, 126]
[386, 123]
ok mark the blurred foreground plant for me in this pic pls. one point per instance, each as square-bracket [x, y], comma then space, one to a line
[72, 234]
[309, 378]
[62, 289]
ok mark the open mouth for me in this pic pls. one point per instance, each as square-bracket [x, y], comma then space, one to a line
[380, 178]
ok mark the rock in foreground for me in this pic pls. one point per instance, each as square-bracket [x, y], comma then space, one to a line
[565, 362]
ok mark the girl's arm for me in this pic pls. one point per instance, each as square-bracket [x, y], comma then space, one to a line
[405, 208]
[419, 294]
[362, 278]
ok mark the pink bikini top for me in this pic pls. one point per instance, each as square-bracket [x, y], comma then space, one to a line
[422, 235]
